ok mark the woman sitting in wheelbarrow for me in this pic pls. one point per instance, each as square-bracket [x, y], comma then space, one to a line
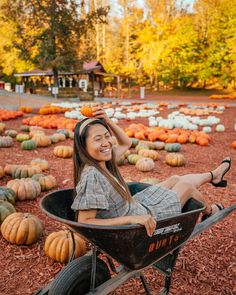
[102, 195]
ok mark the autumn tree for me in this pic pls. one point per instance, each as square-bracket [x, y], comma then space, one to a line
[215, 24]
[48, 32]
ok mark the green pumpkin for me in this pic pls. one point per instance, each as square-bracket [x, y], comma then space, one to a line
[22, 137]
[29, 145]
[25, 171]
[127, 153]
[133, 158]
[37, 176]
[25, 128]
[10, 132]
[159, 145]
[7, 194]
[20, 172]
[135, 142]
[142, 146]
[6, 209]
[172, 147]
[54, 139]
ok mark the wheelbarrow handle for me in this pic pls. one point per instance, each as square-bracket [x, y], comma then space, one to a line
[201, 227]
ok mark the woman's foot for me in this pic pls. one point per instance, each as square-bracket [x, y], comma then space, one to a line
[218, 174]
[215, 208]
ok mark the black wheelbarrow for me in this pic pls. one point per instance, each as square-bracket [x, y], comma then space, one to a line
[129, 245]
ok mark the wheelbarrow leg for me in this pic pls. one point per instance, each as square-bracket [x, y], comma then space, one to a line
[145, 285]
[166, 266]
[166, 289]
[93, 272]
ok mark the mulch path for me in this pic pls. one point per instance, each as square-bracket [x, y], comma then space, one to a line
[205, 265]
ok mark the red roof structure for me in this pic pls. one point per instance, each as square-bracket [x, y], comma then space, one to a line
[88, 67]
[93, 65]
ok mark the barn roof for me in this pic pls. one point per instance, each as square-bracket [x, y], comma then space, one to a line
[88, 67]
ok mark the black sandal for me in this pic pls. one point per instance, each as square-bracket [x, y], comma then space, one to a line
[205, 216]
[222, 182]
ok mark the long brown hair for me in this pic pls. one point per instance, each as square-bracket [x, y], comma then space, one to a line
[81, 158]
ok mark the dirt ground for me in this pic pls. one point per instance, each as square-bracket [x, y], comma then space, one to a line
[206, 265]
[13, 100]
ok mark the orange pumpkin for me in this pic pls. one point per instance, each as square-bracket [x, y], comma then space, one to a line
[163, 137]
[140, 135]
[2, 127]
[21, 228]
[130, 133]
[2, 173]
[175, 159]
[182, 138]
[86, 111]
[63, 151]
[149, 154]
[172, 138]
[42, 140]
[25, 188]
[234, 144]
[43, 164]
[192, 138]
[153, 136]
[59, 246]
[202, 141]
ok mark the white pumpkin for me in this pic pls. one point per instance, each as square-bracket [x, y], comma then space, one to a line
[115, 120]
[206, 129]
[220, 128]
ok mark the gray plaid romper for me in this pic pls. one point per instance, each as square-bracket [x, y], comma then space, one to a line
[94, 191]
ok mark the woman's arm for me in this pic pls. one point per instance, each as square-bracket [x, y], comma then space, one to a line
[124, 142]
[89, 217]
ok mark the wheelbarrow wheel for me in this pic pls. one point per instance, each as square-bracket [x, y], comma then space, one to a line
[74, 279]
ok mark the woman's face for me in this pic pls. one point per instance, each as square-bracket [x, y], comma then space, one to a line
[99, 143]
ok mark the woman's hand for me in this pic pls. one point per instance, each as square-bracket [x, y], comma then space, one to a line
[147, 220]
[99, 113]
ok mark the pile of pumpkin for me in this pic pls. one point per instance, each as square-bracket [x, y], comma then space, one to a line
[26, 109]
[52, 109]
[36, 137]
[25, 228]
[142, 132]
[146, 153]
[222, 96]
[28, 180]
[199, 112]
[6, 115]
[50, 121]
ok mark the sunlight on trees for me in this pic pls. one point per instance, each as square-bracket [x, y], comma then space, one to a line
[160, 43]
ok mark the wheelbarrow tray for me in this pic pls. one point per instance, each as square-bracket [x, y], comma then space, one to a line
[128, 244]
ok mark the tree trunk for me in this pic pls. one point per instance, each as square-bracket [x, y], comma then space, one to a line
[204, 84]
[55, 76]
[103, 35]
[97, 32]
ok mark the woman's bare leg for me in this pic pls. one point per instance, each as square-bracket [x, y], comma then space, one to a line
[196, 179]
[186, 191]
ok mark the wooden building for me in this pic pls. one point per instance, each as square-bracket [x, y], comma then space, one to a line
[86, 84]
